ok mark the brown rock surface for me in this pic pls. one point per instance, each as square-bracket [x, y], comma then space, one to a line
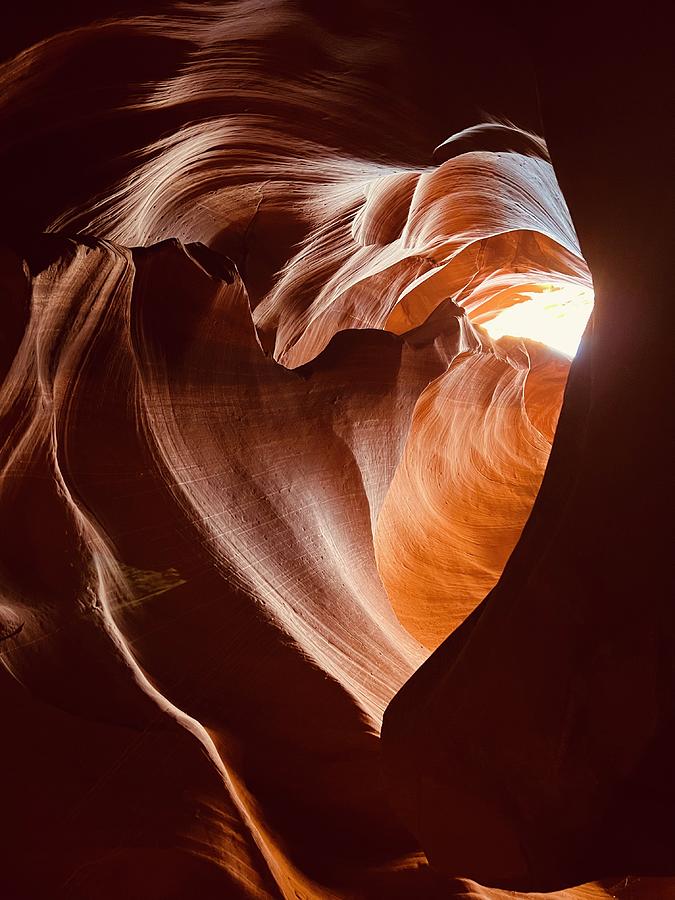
[258, 459]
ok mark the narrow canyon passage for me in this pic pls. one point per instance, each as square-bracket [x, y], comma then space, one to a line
[289, 337]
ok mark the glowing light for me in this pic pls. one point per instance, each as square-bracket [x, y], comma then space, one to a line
[556, 315]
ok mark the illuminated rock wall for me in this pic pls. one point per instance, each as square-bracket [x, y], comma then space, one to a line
[259, 458]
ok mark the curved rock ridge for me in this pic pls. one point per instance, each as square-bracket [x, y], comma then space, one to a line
[378, 246]
[480, 440]
[226, 137]
[196, 580]
[266, 482]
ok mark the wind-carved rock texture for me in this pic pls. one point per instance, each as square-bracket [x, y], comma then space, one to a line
[259, 460]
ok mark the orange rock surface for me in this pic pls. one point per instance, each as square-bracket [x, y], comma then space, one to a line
[266, 481]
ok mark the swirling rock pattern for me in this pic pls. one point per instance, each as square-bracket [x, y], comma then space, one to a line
[259, 459]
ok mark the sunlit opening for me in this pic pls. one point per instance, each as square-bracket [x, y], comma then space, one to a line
[556, 315]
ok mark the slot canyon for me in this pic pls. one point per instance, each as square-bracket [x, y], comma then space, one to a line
[336, 451]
